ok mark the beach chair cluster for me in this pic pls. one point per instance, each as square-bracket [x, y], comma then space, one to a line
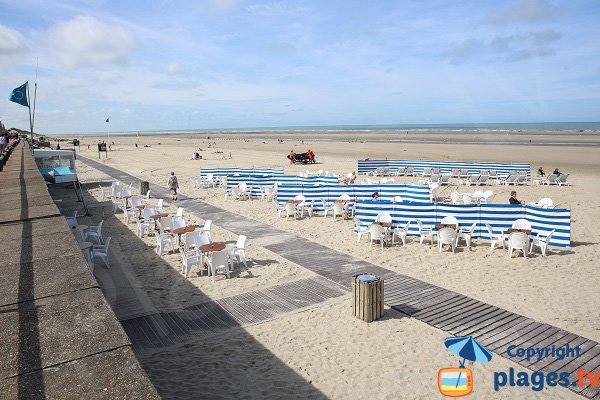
[449, 232]
[554, 179]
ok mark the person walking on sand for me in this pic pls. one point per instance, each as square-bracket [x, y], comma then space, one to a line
[173, 185]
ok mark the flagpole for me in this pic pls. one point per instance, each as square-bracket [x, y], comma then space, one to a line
[34, 93]
[30, 120]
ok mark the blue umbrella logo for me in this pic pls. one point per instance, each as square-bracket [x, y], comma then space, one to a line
[467, 348]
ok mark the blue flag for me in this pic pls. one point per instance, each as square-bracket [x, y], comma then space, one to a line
[19, 95]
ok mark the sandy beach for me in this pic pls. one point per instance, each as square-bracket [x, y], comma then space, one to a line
[321, 351]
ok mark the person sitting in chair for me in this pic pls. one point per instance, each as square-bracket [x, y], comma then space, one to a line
[375, 196]
[557, 172]
[540, 172]
[513, 198]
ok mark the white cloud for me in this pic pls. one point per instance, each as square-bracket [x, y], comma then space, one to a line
[222, 6]
[85, 41]
[172, 68]
[525, 11]
[11, 41]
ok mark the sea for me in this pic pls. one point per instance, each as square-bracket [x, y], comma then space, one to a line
[531, 127]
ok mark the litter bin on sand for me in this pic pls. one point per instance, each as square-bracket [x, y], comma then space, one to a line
[367, 297]
[144, 187]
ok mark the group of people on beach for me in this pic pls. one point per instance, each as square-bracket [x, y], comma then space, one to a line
[540, 172]
[347, 179]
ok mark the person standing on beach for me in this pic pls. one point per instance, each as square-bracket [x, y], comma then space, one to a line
[173, 185]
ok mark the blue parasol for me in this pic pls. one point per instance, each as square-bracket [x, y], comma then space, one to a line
[467, 348]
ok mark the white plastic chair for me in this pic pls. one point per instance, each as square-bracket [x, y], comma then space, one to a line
[521, 223]
[159, 205]
[103, 193]
[518, 241]
[541, 242]
[360, 228]
[95, 233]
[101, 250]
[237, 251]
[162, 241]
[290, 211]
[546, 202]
[206, 228]
[219, 261]
[450, 220]
[488, 197]
[424, 232]
[400, 232]
[326, 208]
[467, 199]
[72, 220]
[308, 209]
[495, 238]
[280, 208]
[466, 234]
[179, 212]
[339, 209]
[376, 233]
[189, 258]
[383, 217]
[447, 236]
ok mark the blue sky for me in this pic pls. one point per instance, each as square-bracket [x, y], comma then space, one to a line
[159, 65]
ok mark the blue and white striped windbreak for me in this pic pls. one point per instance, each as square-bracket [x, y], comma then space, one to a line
[247, 171]
[499, 216]
[329, 193]
[503, 169]
[257, 180]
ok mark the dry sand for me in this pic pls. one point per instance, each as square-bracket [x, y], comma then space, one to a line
[324, 345]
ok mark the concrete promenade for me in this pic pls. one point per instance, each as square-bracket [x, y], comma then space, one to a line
[59, 337]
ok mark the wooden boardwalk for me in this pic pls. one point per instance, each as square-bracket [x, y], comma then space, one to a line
[211, 318]
[452, 312]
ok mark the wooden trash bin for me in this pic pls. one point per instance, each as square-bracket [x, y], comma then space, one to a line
[367, 297]
[144, 187]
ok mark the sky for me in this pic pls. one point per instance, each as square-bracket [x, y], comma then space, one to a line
[209, 64]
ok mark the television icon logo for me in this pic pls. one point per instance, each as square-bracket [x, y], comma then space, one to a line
[455, 382]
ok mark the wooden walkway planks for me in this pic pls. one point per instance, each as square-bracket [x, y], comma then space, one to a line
[455, 313]
[210, 318]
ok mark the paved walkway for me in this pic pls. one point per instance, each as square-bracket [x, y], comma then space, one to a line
[452, 312]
